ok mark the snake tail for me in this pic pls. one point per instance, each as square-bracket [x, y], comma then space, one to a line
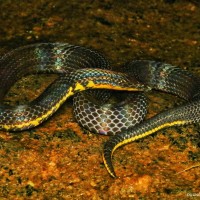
[166, 78]
[185, 114]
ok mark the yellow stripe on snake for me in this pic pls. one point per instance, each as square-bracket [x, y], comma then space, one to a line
[80, 69]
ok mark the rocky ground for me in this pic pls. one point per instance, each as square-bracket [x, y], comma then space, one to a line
[57, 160]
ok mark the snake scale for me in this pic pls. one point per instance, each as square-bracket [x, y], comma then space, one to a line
[86, 74]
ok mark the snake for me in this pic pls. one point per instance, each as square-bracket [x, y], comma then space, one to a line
[106, 101]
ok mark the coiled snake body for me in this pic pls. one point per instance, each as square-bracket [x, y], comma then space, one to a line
[80, 69]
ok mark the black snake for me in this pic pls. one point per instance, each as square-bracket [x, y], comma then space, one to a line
[81, 69]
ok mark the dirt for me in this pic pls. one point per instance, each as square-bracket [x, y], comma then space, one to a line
[57, 160]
